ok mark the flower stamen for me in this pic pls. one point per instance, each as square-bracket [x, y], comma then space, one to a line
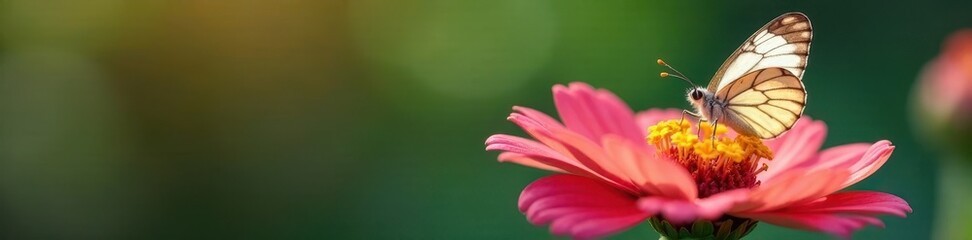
[717, 162]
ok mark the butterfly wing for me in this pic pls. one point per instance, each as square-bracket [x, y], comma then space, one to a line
[768, 101]
[784, 42]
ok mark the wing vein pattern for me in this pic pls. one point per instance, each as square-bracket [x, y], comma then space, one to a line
[761, 82]
[769, 100]
[783, 42]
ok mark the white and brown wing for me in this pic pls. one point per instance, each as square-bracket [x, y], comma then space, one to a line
[784, 42]
[769, 101]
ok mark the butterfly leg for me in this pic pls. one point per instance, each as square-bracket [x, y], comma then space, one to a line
[697, 116]
[690, 113]
[698, 128]
[715, 126]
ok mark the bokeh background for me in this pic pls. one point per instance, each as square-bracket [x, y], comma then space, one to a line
[365, 119]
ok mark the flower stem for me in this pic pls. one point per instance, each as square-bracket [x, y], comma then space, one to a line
[954, 210]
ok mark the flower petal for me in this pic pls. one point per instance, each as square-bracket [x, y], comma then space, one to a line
[860, 159]
[540, 118]
[594, 113]
[793, 187]
[834, 224]
[873, 159]
[533, 150]
[676, 211]
[538, 128]
[525, 160]
[682, 211]
[650, 117]
[838, 214]
[592, 156]
[858, 202]
[838, 157]
[794, 147]
[836, 169]
[579, 207]
[660, 177]
[582, 156]
[716, 205]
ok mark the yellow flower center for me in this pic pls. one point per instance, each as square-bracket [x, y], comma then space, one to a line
[717, 162]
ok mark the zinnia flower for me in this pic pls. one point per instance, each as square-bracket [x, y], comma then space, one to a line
[942, 110]
[616, 169]
[943, 106]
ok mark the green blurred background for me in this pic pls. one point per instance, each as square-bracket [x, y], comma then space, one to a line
[365, 119]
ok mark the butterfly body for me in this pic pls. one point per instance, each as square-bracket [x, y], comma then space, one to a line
[706, 104]
[759, 90]
[711, 108]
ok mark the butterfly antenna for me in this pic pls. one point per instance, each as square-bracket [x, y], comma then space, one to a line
[677, 74]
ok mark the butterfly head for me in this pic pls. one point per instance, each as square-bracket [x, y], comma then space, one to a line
[697, 95]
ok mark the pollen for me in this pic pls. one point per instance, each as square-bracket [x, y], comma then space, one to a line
[706, 150]
[731, 150]
[663, 131]
[707, 130]
[717, 162]
[684, 140]
[754, 146]
[656, 134]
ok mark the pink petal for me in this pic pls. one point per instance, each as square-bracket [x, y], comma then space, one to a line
[594, 113]
[676, 211]
[873, 159]
[540, 118]
[525, 160]
[592, 156]
[580, 155]
[660, 177]
[542, 154]
[546, 156]
[860, 159]
[838, 157]
[538, 125]
[579, 207]
[716, 205]
[650, 117]
[681, 211]
[838, 168]
[794, 147]
[839, 214]
[595, 227]
[538, 129]
[858, 202]
[838, 225]
[793, 187]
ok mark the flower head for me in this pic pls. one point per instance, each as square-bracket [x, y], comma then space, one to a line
[718, 163]
[617, 169]
[943, 106]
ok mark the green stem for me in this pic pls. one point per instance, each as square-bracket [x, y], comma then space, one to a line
[954, 210]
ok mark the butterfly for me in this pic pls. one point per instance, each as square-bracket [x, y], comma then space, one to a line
[758, 90]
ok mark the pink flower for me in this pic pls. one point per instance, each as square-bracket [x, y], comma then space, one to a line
[610, 178]
[947, 80]
[943, 96]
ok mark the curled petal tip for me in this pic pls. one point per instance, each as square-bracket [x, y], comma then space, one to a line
[489, 143]
[884, 142]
